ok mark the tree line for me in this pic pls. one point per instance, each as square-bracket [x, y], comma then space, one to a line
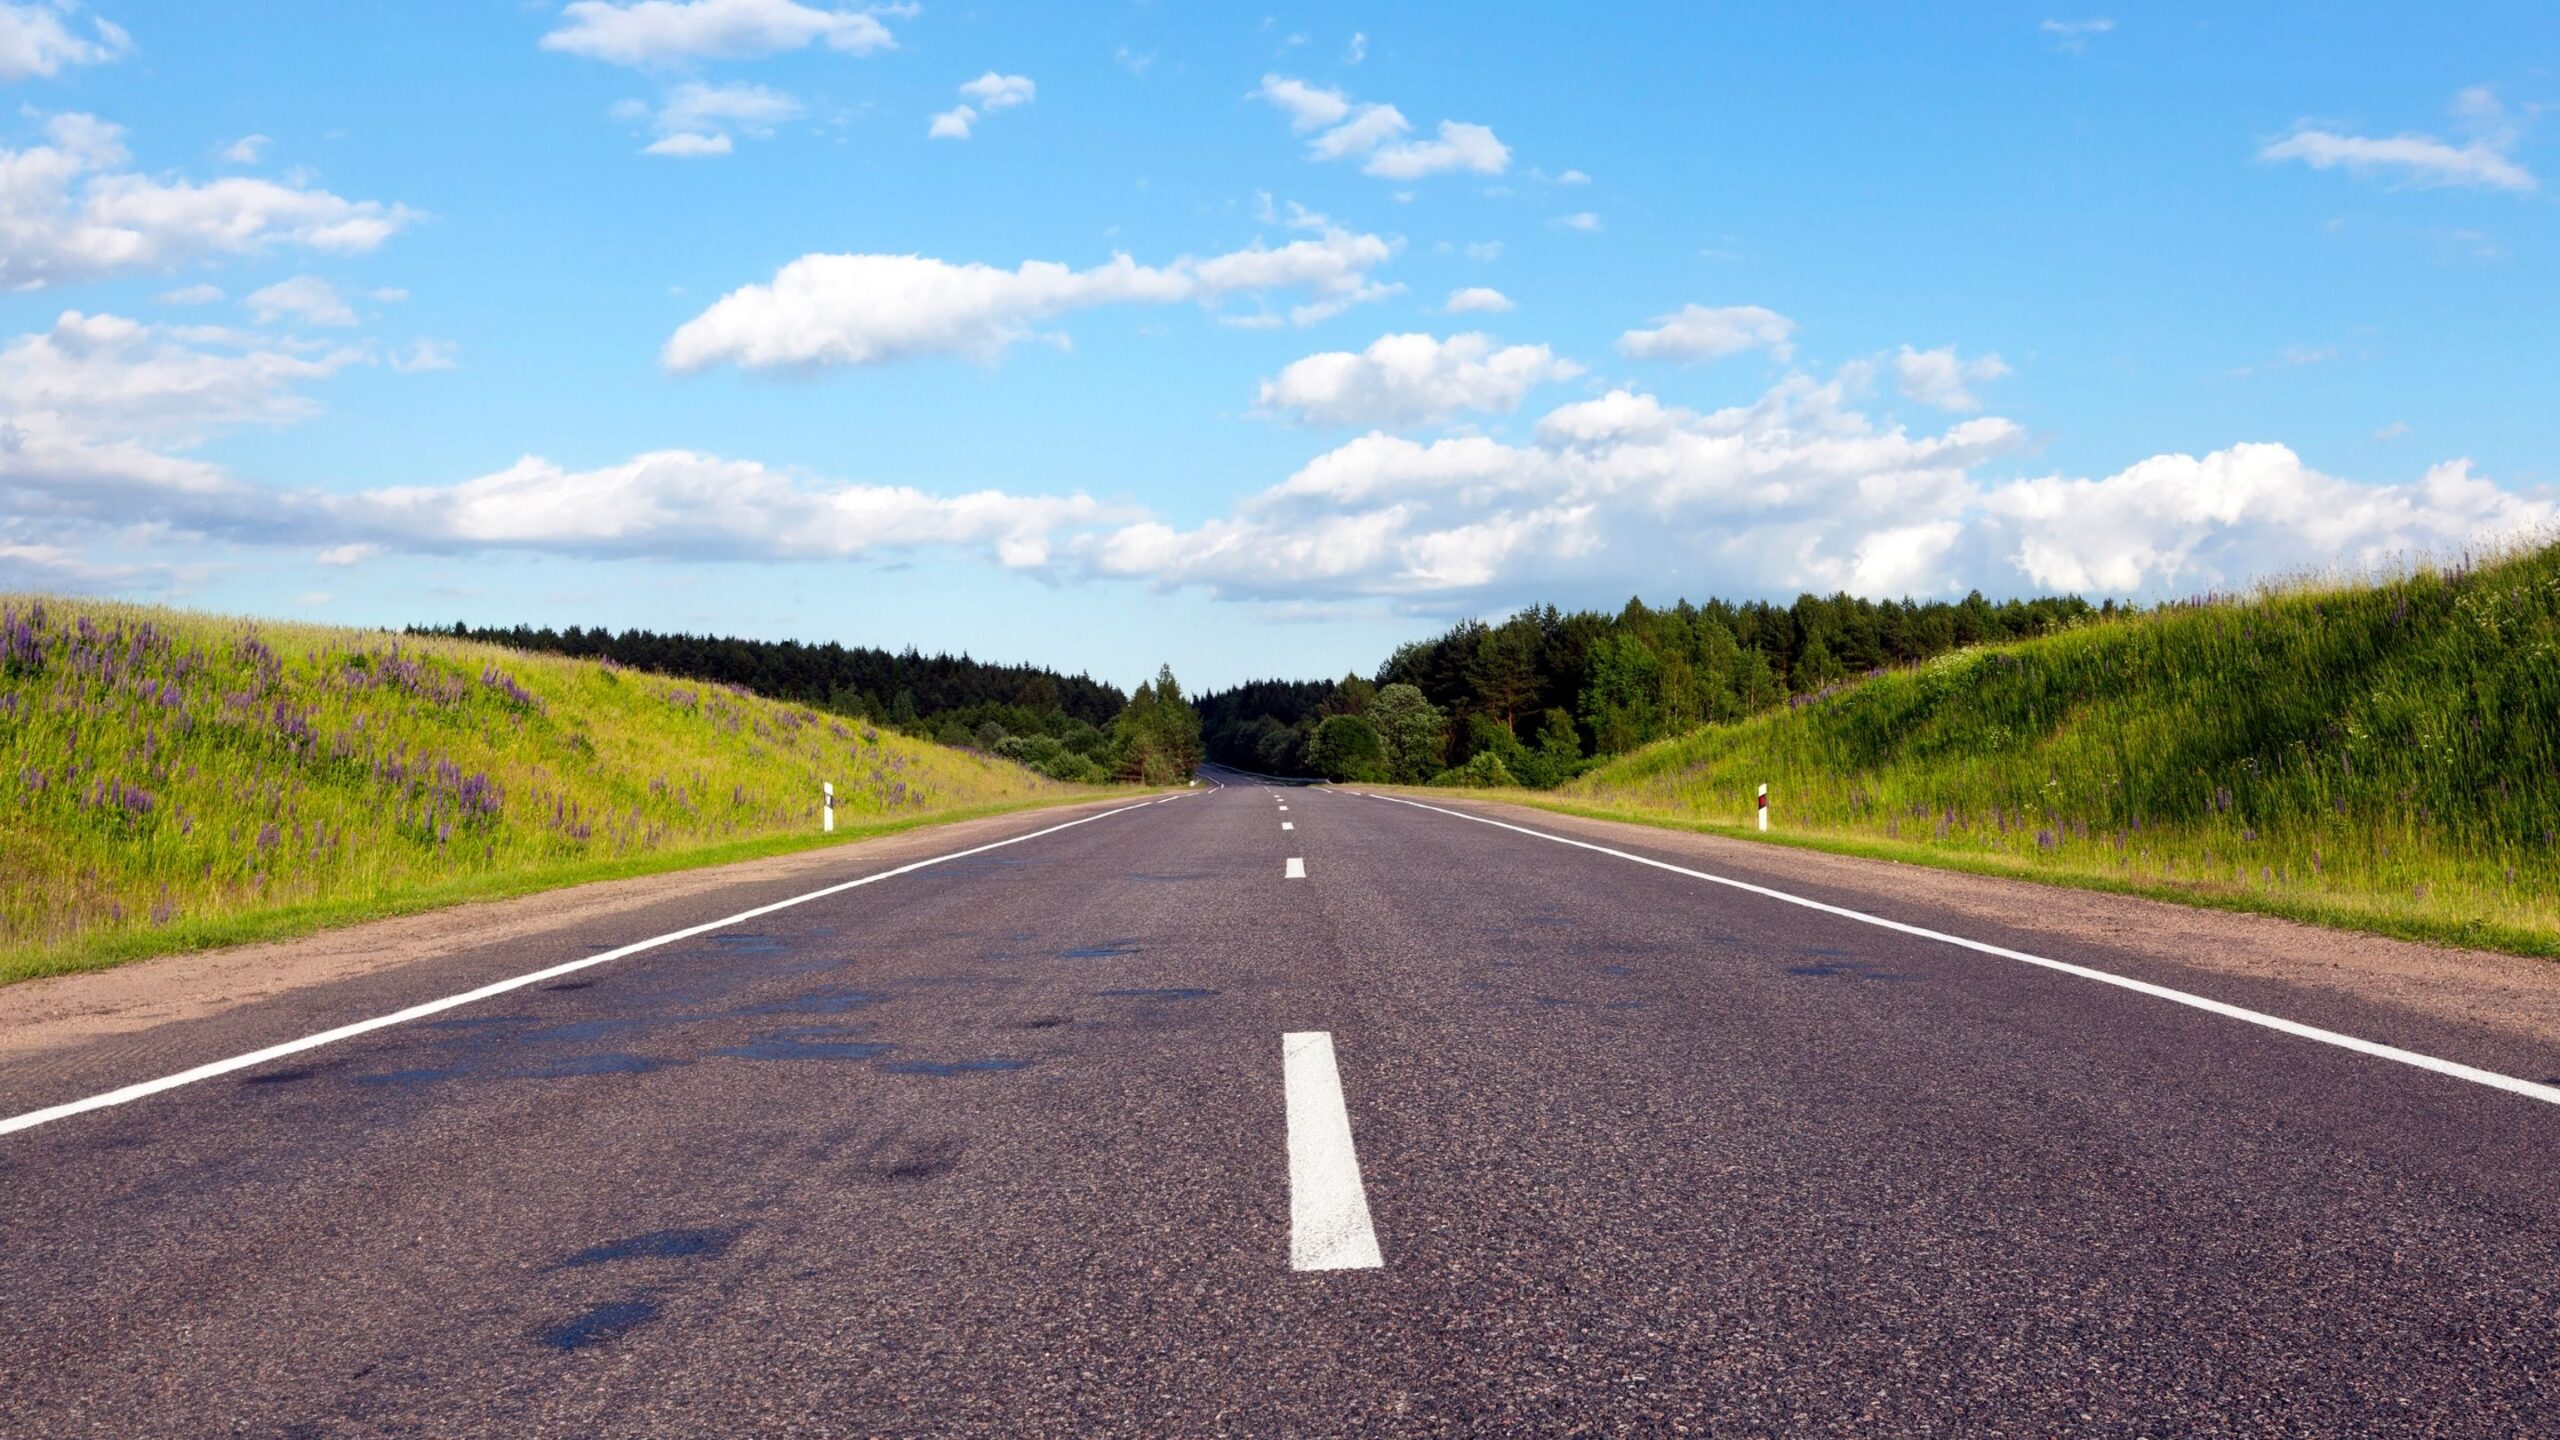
[1070, 727]
[1541, 696]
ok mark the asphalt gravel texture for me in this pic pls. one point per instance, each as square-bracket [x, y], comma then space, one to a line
[999, 1148]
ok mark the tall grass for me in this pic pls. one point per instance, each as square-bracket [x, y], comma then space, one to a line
[162, 770]
[2387, 754]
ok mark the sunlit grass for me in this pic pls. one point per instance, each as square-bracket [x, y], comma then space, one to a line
[2383, 754]
[170, 774]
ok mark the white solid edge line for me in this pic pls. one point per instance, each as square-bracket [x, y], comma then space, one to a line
[211, 1069]
[2531, 1090]
[1296, 870]
[1329, 1225]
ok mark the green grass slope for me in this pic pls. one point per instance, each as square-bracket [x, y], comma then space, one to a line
[170, 780]
[2385, 756]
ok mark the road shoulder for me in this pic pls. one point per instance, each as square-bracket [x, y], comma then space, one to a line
[2509, 994]
[59, 1012]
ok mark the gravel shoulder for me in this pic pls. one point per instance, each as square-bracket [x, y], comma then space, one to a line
[2509, 994]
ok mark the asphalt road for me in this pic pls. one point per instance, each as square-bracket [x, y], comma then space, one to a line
[1009, 1145]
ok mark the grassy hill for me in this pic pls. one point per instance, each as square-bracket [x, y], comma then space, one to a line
[170, 779]
[2382, 755]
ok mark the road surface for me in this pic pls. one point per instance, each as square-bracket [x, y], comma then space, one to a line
[1267, 1110]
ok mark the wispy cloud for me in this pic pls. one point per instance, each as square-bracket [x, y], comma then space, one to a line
[2483, 161]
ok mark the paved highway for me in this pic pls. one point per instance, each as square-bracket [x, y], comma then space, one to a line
[1268, 1110]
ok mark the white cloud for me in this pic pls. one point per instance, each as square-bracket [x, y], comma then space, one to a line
[306, 299]
[191, 295]
[1573, 177]
[247, 150]
[2396, 430]
[2485, 161]
[2073, 36]
[690, 147]
[100, 403]
[1132, 61]
[1347, 130]
[1460, 146]
[657, 33]
[992, 91]
[1402, 380]
[1938, 377]
[68, 213]
[1358, 49]
[39, 39]
[1484, 250]
[2177, 522]
[1795, 491]
[104, 380]
[1703, 332]
[988, 93]
[1582, 220]
[696, 119]
[388, 294]
[870, 309]
[1477, 300]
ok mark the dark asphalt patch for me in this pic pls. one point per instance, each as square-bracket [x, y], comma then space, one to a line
[609, 1321]
[1102, 950]
[610, 1063]
[656, 1245]
[280, 1077]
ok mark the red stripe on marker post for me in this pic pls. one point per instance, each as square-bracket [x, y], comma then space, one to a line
[1764, 807]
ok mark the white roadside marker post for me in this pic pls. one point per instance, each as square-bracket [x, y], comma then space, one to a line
[1764, 808]
[827, 815]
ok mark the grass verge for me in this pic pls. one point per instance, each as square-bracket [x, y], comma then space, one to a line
[2473, 933]
[171, 780]
[117, 947]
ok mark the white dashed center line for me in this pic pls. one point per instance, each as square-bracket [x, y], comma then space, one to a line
[1328, 1210]
[1297, 869]
[1285, 825]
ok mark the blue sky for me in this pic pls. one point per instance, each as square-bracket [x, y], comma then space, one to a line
[1256, 343]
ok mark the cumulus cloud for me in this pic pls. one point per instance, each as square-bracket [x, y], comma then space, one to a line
[1377, 134]
[985, 95]
[99, 409]
[1796, 490]
[1708, 332]
[871, 309]
[68, 212]
[2484, 161]
[42, 36]
[304, 299]
[2214, 522]
[100, 381]
[1938, 377]
[665, 33]
[1582, 220]
[1477, 300]
[247, 150]
[1411, 380]
[687, 146]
